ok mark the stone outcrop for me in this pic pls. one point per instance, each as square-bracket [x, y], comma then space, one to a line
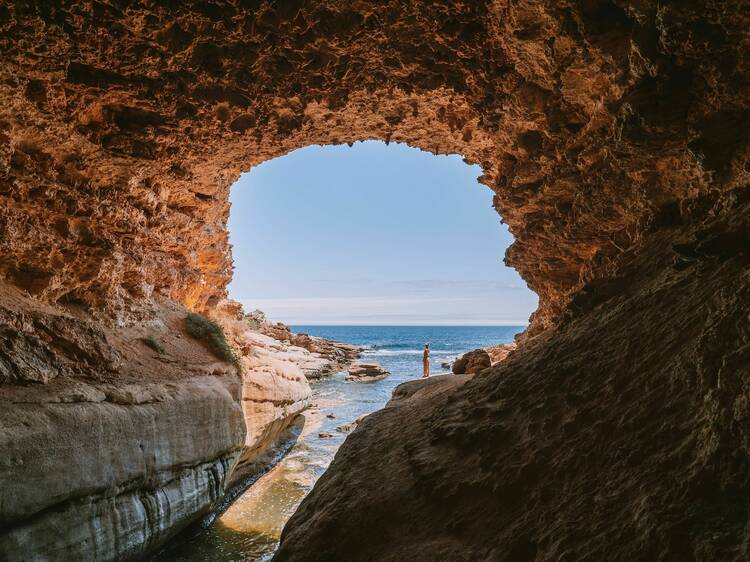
[338, 354]
[93, 472]
[497, 353]
[472, 362]
[114, 439]
[613, 134]
[366, 371]
[500, 352]
[109, 447]
[124, 127]
[312, 365]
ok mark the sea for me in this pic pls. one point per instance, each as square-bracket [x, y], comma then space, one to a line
[250, 528]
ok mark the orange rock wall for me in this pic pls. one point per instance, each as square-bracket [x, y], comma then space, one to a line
[123, 125]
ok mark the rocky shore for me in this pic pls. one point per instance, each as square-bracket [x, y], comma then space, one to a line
[474, 361]
[324, 356]
[114, 439]
[614, 137]
[366, 371]
[279, 365]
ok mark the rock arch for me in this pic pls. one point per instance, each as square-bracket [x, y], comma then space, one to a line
[608, 130]
[138, 119]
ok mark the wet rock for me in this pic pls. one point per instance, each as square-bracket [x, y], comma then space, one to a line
[366, 371]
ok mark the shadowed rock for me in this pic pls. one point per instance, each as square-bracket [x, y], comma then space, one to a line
[614, 136]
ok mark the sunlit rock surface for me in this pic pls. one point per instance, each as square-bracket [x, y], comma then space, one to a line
[366, 371]
[123, 126]
[318, 357]
[614, 135]
[472, 362]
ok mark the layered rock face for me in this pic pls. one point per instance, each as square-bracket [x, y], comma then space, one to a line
[122, 446]
[324, 357]
[114, 439]
[614, 136]
[366, 371]
[275, 385]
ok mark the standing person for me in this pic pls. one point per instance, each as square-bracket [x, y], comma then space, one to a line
[426, 361]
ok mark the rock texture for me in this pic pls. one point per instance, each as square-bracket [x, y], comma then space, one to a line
[88, 474]
[112, 445]
[366, 371]
[613, 134]
[123, 126]
[472, 362]
[338, 354]
[609, 438]
[312, 365]
[109, 447]
[500, 352]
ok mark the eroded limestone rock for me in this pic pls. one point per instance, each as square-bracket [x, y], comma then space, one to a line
[108, 459]
[366, 371]
[471, 362]
[123, 127]
[613, 134]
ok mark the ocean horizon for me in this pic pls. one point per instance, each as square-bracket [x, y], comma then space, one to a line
[335, 406]
[395, 346]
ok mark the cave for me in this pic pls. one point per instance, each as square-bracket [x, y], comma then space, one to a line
[614, 136]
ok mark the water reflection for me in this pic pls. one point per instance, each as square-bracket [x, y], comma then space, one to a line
[249, 530]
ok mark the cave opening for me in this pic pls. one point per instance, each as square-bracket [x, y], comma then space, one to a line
[613, 135]
[379, 245]
[372, 233]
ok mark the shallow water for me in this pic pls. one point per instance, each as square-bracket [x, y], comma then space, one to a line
[250, 528]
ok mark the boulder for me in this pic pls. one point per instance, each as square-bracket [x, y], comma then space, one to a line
[472, 362]
[500, 352]
[349, 427]
[366, 371]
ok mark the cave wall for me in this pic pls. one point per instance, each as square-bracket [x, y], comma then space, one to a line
[614, 135]
[622, 435]
[123, 125]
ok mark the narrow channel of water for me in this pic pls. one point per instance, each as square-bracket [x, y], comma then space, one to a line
[250, 528]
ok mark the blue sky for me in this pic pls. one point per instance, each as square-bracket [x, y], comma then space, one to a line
[372, 234]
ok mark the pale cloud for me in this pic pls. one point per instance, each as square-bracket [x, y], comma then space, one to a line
[351, 303]
[450, 284]
[384, 310]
